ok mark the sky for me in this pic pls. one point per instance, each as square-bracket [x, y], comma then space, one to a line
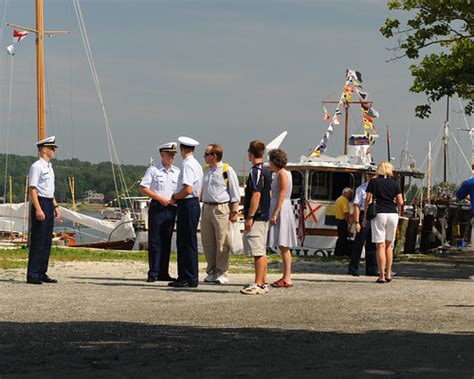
[220, 71]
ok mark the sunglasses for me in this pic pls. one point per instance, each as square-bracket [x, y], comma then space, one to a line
[207, 154]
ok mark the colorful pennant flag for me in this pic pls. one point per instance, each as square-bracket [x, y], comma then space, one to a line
[348, 89]
[335, 120]
[326, 114]
[353, 75]
[20, 34]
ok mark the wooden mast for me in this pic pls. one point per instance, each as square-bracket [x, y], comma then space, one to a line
[346, 118]
[40, 68]
[40, 33]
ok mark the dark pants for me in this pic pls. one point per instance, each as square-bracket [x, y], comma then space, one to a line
[342, 243]
[41, 235]
[364, 237]
[161, 221]
[188, 213]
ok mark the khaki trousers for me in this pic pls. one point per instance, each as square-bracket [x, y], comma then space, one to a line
[214, 232]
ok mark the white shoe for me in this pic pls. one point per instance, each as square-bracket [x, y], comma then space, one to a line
[222, 279]
[265, 287]
[253, 289]
[211, 278]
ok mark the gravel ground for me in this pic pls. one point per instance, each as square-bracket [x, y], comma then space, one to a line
[103, 320]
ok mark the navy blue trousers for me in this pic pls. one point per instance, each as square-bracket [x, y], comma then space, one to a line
[188, 213]
[364, 237]
[41, 235]
[342, 244]
[161, 221]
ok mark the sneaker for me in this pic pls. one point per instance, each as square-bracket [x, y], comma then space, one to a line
[253, 289]
[210, 278]
[222, 279]
[265, 287]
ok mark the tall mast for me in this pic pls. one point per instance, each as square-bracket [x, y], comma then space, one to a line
[40, 32]
[445, 142]
[40, 68]
[346, 119]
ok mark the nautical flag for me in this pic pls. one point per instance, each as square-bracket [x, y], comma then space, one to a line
[348, 89]
[326, 114]
[338, 111]
[335, 120]
[353, 74]
[11, 50]
[362, 94]
[347, 96]
[356, 83]
[372, 112]
[367, 118]
[365, 106]
[20, 34]
[367, 124]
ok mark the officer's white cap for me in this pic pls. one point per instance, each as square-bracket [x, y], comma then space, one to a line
[187, 141]
[169, 147]
[47, 142]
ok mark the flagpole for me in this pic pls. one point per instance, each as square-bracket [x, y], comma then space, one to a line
[388, 144]
[40, 67]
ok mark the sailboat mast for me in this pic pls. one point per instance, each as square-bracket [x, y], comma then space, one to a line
[346, 129]
[445, 140]
[40, 67]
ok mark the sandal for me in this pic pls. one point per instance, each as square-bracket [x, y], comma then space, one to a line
[380, 281]
[280, 283]
[388, 280]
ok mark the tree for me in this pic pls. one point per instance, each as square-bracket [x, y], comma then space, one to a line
[446, 25]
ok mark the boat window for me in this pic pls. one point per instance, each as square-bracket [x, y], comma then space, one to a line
[320, 185]
[298, 187]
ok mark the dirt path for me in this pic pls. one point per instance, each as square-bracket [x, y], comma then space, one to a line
[103, 319]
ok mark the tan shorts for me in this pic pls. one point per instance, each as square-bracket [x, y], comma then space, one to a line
[255, 240]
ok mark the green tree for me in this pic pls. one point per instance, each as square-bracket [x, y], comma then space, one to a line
[447, 26]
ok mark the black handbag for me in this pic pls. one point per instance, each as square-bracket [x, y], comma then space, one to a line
[372, 208]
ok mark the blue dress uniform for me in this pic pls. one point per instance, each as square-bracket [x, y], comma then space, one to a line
[41, 177]
[188, 214]
[161, 218]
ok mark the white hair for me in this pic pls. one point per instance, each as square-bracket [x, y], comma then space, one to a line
[346, 190]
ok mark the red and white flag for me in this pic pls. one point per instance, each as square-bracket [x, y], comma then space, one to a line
[20, 34]
[335, 120]
[326, 114]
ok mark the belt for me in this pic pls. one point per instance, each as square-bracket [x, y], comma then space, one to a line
[45, 198]
[213, 203]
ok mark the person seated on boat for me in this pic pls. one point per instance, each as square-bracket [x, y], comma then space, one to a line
[342, 210]
[44, 209]
[466, 191]
[159, 183]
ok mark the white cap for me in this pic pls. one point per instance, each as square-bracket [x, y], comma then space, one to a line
[186, 141]
[48, 142]
[170, 147]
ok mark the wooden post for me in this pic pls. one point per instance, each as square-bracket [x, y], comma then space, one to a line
[40, 67]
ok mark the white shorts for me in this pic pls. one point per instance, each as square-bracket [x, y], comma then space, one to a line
[384, 227]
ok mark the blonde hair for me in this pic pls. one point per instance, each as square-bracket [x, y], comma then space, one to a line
[384, 168]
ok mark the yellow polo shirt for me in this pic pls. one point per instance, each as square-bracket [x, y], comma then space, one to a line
[342, 206]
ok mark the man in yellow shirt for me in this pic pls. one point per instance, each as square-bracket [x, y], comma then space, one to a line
[342, 219]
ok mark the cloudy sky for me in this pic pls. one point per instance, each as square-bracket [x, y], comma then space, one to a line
[225, 71]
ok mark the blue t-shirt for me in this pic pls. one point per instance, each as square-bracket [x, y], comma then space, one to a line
[467, 188]
[259, 180]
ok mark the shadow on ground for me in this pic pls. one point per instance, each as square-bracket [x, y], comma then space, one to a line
[85, 349]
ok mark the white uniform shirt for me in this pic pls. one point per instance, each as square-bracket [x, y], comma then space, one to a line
[41, 177]
[190, 175]
[360, 195]
[215, 189]
[160, 180]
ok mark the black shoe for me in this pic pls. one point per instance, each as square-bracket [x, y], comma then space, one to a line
[47, 279]
[165, 279]
[353, 273]
[151, 279]
[182, 284]
[33, 281]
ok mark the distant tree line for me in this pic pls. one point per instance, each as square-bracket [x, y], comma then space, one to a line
[87, 176]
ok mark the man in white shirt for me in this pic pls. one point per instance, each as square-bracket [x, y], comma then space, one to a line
[188, 213]
[159, 183]
[220, 198]
[42, 213]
